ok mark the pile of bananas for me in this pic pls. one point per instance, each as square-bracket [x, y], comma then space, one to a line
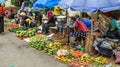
[86, 58]
[64, 59]
[102, 60]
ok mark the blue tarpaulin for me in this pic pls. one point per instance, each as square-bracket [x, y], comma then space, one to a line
[45, 3]
[91, 5]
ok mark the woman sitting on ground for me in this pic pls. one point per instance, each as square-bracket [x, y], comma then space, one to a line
[109, 42]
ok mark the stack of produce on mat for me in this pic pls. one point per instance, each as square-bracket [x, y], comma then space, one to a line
[29, 33]
[53, 47]
[37, 38]
[39, 43]
[10, 26]
[89, 59]
[7, 23]
[21, 28]
[69, 55]
[77, 64]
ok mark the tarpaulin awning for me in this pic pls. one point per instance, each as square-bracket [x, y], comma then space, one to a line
[90, 5]
[45, 3]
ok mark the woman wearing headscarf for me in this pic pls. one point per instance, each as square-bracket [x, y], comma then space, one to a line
[112, 31]
[110, 40]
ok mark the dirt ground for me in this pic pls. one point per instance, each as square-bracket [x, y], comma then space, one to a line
[17, 52]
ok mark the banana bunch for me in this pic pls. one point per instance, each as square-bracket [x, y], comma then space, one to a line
[54, 45]
[63, 59]
[102, 60]
[87, 58]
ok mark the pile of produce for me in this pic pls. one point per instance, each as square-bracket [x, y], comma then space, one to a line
[10, 26]
[76, 53]
[38, 42]
[30, 32]
[53, 47]
[102, 60]
[21, 28]
[38, 38]
[89, 59]
[77, 64]
[41, 45]
[86, 58]
[64, 59]
[7, 23]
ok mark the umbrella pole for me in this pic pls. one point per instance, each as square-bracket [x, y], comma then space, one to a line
[67, 27]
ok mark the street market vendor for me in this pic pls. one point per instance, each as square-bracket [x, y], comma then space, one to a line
[26, 21]
[110, 41]
[50, 23]
[81, 29]
[1, 18]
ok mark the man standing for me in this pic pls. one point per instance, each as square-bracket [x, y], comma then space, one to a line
[1, 18]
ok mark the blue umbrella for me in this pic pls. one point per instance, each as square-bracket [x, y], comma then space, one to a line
[45, 3]
[51, 3]
[1, 1]
[65, 3]
[91, 5]
[39, 4]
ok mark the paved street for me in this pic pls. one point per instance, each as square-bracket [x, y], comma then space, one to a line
[17, 52]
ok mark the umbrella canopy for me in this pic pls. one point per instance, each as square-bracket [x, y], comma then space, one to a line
[1, 1]
[45, 3]
[91, 5]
